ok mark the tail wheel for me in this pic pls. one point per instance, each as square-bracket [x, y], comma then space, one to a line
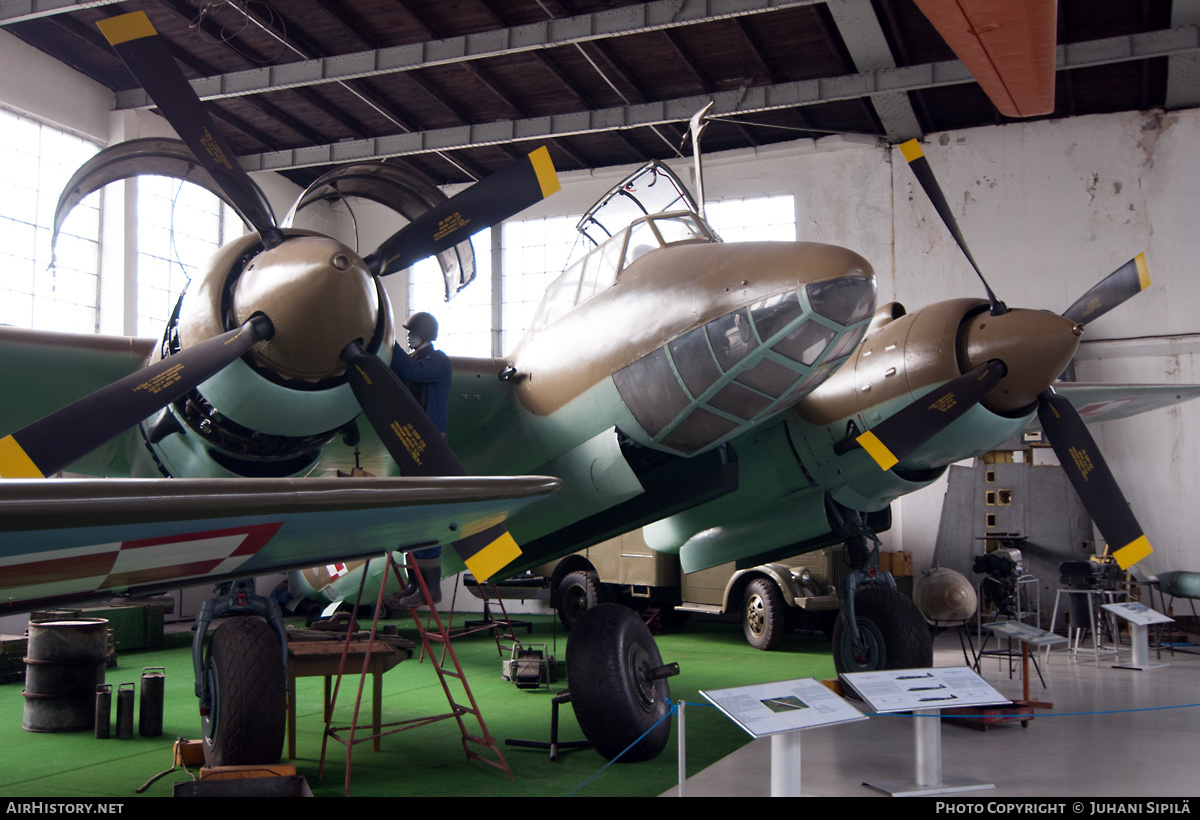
[610, 654]
[248, 689]
[895, 636]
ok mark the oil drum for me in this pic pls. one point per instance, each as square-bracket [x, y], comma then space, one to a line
[64, 664]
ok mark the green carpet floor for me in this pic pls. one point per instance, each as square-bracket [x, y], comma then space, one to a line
[428, 760]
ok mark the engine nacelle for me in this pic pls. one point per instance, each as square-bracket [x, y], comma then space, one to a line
[320, 296]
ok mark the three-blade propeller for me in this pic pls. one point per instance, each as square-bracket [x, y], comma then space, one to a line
[55, 441]
[905, 431]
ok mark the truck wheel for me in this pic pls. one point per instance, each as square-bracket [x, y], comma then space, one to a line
[578, 592]
[763, 615]
[609, 656]
[247, 685]
[895, 634]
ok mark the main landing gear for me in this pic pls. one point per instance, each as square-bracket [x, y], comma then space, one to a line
[878, 627]
[618, 683]
[241, 680]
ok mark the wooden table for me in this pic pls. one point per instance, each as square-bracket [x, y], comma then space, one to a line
[308, 659]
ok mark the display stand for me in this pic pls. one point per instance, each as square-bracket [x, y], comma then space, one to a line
[782, 710]
[1139, 617]
[1028, 636]
[924, 692]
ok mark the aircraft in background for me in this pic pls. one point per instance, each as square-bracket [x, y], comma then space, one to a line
[739, 401]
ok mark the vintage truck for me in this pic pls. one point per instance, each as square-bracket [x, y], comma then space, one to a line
[771, 599]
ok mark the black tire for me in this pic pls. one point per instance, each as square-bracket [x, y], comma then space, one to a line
[896, 635]
[245, 675]
[609, 654]
[763, 617]
[578, 592]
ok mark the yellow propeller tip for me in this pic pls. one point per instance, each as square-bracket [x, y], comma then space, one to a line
[1133, 552]
[877, 450]
[1143, 271]
[911, 151]
[126, 27]
[543, 167]
[14, 463]
[494, 557]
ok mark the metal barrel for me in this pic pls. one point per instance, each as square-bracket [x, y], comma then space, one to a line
[125, 711]
[64, 664]
[150, 709]
[103, 710]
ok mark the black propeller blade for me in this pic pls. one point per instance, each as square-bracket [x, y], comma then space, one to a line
[920, 167]
[1119, 286]
[1092, 480]
[55, 441]
[419, 448]
[145, 54]
[897, 436]
[488, 202]
[413, 441]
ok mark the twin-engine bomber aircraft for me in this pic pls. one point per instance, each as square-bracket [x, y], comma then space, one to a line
[739, 401]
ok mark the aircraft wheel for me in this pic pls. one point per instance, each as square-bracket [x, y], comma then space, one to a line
[578, 592]
[609, 656]
[763, 618]
[247, 683]
[896, 635]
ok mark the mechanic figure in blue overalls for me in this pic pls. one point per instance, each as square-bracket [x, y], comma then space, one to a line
[426, 373]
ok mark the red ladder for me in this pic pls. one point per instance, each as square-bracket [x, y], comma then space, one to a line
[473, 745]
[500, 628]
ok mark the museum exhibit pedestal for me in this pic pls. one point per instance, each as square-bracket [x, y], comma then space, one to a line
[1139, 617]
[782, 710]
[924, 692]
[927, 755]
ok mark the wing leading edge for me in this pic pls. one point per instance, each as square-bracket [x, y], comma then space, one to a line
[73, 539]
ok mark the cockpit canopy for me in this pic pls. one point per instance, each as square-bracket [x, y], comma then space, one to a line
[649, 209]
[603, 265]
[651, 189]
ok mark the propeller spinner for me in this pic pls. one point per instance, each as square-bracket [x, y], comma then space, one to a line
[1017, 355]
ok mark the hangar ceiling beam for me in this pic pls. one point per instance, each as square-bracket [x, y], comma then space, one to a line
[1183, 70]
[583, 28]
[18, 11]
[749, 100]
[868, 47]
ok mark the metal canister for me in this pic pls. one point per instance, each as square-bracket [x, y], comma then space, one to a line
[103, 709]
[150, 709]
[125, 711]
